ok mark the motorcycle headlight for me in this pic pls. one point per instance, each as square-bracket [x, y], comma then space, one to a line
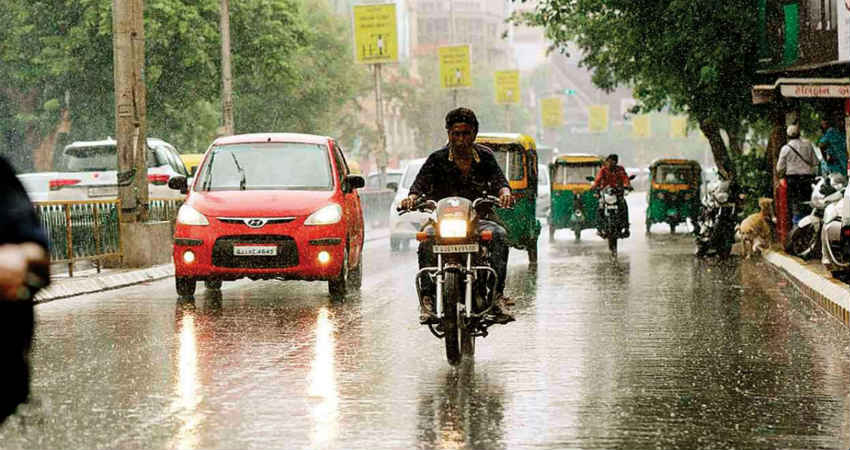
[187, 215]
[325, 216]
[660, 196]
[453, 228]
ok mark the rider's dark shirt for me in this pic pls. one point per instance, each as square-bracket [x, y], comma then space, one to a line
[440, 177]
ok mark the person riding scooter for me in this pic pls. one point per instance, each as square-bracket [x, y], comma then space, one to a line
[612, 174]
[463, 169]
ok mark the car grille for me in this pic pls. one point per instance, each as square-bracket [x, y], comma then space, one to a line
[287, 252]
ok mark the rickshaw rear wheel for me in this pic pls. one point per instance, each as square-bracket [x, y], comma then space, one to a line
[551, 232]
[577, 232]
[672, 227]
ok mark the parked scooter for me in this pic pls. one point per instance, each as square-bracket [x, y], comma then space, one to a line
[718, 216]
[833, 256]
[805, 238]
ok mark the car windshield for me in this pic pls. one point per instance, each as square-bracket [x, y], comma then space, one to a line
[267, 166]
[410, 174]
[671, 174]
[374, 180]
[510, 160]
[575, 173]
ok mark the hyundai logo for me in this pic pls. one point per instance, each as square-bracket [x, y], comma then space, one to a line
[255, 223]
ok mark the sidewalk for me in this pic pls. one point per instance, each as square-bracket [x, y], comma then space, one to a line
[89, 281]
[815, 282]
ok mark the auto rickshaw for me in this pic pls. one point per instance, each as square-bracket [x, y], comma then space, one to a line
[674, 192]
[517, 157]
[573, 203]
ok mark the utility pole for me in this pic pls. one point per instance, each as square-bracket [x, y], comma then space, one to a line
[382, 157]
[226, 77]
[128, 42]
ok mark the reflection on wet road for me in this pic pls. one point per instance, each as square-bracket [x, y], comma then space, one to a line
[653, 349]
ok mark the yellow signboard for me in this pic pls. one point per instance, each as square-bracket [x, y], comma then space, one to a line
[552, 110]
[375, 35]
[454, 67]
[598, 118]
[679, 127]
[642, 126]
[507, 86]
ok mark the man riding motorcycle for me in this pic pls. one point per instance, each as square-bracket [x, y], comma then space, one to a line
[614, 175]
[464, 169]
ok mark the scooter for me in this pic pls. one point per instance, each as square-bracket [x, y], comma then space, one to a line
[716, 223]
[805, 238]
[465, 280]
[834, 256]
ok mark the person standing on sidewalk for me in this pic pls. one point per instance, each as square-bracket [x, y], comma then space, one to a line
[833, 144]
[798, 164]
[24, 268]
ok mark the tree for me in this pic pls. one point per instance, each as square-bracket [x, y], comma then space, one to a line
[293, 70]
[693, 56]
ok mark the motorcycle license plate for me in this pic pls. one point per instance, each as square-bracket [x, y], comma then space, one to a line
[457, 248]
[255, 250]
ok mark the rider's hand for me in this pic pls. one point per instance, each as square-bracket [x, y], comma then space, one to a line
[15, 262]
[505, 198]
[408, 202]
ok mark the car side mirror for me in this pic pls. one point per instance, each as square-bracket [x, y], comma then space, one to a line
[392, 186]
[589, 178]
[179, 183]
[353, 182]
[632, 177]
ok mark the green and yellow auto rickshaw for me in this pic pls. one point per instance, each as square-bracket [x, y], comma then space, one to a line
[674, 192]
[518, 159]
[573, 203]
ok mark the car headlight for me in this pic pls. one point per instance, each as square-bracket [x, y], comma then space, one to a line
[325, 216]
[187, 215]
[453, 228]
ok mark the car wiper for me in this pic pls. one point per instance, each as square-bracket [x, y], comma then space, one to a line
[241, 172]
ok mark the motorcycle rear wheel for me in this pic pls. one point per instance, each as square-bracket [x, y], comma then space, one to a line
[801, 242]
[451, 326]
[612, 244]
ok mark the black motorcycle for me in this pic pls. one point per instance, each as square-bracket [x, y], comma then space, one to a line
[465, 281]
[608, 221]
[717, 219]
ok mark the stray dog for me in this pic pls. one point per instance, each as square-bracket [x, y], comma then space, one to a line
[757, 229]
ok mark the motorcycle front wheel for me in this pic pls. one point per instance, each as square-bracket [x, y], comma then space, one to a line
[801, 242]
[452, 294]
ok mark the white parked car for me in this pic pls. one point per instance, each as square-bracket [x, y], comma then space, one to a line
[544, 201]
[88, 170]
[403, 228]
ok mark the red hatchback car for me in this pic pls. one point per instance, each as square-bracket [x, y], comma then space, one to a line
[270, 205]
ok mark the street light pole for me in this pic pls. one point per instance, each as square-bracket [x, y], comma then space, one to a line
[128, 41]
[226, 76]
[381, 157]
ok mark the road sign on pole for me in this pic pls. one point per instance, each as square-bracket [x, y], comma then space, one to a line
[507, 86]
[375, 34]
[598, 118]
[552, 110]
[454, 66]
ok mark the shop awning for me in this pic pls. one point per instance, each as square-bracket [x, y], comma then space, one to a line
[802, 88]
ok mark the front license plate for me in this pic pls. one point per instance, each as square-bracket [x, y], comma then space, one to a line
[255, 250]
[103, 191]
[457, 248]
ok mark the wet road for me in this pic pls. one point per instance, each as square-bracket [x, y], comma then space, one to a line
[653, 350]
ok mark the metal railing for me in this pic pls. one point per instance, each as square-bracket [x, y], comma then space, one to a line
[164, 208]
[81, 230]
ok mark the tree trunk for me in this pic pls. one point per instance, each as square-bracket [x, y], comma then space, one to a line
[718, 149]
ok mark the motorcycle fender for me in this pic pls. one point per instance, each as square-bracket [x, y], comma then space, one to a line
[808, 221]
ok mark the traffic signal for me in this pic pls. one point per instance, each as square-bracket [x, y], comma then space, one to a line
[569, 92]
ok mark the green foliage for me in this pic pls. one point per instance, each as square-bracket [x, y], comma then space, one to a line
[754, 178]
[292, 67]
[693, 56]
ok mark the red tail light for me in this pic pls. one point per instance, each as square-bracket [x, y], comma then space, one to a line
[158, 179]
[846, 232]
[487, 235]
[57, 184]
[421, 236]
